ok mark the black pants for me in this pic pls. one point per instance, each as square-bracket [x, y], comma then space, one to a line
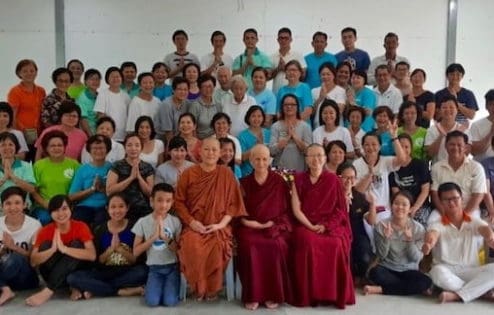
[56, 269]
[408, 282]
[361, 255]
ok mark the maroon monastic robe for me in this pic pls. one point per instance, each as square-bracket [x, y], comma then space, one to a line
[263, 253]
[322, 271]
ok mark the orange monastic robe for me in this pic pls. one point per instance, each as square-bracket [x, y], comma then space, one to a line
[206, 197]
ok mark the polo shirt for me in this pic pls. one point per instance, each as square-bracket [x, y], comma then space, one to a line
[260, 60]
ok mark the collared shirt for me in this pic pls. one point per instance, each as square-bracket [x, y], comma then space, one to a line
[457, 246]
[260, 60]
[433, 133]
[470, 176]
[381, 60]
[391, 98]
[236, 111]
[280, 79]
[134, 90]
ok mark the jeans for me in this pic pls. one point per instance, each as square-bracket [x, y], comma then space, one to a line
[42, 215]
[90, 215]
[17, 273]
[107, 281]
[407, 282]
[163, 284]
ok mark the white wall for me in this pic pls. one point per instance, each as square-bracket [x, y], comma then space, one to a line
[27, 30]
[475, 47]
[107, 32]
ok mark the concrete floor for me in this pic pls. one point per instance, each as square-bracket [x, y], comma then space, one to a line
[368, 305]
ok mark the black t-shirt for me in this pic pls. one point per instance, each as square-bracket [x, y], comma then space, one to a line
[358, 209]
[422, 100]
[411, 177]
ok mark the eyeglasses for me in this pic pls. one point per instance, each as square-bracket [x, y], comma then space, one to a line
[451, 199]
[318, 156]
[346, 178]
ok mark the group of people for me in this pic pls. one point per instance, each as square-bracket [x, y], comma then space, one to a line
[321, 181]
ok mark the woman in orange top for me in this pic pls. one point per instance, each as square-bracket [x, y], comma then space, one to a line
[26, 99]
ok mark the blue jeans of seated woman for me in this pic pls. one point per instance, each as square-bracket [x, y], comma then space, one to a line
[163, 285]
[17, 273]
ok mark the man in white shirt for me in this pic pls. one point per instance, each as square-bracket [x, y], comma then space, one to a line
[453, 242]
[281, 57]
[482, 131]
[212, 61]
[237, 105]
[465, 172]
[390, 57]
[177, 60]
[387, 94]
[224, 77]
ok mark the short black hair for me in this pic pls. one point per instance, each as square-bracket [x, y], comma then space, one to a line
[179, 80]
[319, 33]
[67, 107]
[249, 112]
[109, 71]
[192, 64]
[97, 139]
[205, 78]
[344, 166]
[147, 119]
[164, 187]
[158, 65]
[10, 136]
[349, 29]
[405, 105]
[456, 134]
[405, 194]
[177, 142]
[91, 72]
[448, 186]
[390, 35]
[250, 30]
[489, 96]
[402, 63]
[219, 116]
[361, 73]
[57, 201]
[142, 75]
[51, 135]
[414, 72]
[128, 64]
[179, 32]
[104, 119]
[448, 97]
[455, 67]
[75, 61]
[329, 103]
[13, 191]
[284, 30]
[369, 135]
[6, 108]
[218, 33]
[59, 71]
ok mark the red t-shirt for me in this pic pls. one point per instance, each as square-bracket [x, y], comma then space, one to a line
[78, 231]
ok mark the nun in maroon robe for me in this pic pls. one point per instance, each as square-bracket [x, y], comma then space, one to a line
[322, 238]
[263, 235]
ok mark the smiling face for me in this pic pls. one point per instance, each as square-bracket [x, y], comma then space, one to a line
[191, 74]
[382, 121]
[147, 84]
[61, 215]
[400, 208]
[133, 147]
[76, 69]
[62, 82]
[454, 78]
[259, 80]
[160, 75]
[336, 155]
[355, 119]
[207, 89]
[105, 129]
[227, 153]
[186, 125]
[250, 40]
[449, 110]
[358, 82]
[117, 208]
[70, 119]
[161, 202]
[115, 79]
[239, 89]
[55, 148]
[410, 115]
[14, 206]
[456, 148]
[256, 119]
[329, 116]
[371, 146]
[319, 44]
[178, 155]
[221, 127]
[93, 82]
[210, 151]
[348, 40]
[98, 151]
[28, 73]
[293, 74]
[129, 74]
[4, 120]
[315, 158]
[326, 75]
[144, 130]
[7, 149]
[181, 91]
[343, 75]
[259, 158]
[348, 178]
[417, 79]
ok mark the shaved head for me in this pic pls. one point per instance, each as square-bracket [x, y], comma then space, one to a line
[259, 150]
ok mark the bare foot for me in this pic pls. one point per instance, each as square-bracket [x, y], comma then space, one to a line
[134, 291]
[200, 298]
[39, 298]
[75, 294]
[372, 289]
[251, 306]
[489, 295]
[87, 295]
[212, 298]
[271, 305]
[448, 296]
[6, 295]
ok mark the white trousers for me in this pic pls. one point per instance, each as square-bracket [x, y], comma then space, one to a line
[468, 282]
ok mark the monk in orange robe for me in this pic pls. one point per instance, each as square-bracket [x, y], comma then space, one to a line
[207, 198]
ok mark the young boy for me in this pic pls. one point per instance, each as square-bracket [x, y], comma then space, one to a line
[17, 231]
[157, 234]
